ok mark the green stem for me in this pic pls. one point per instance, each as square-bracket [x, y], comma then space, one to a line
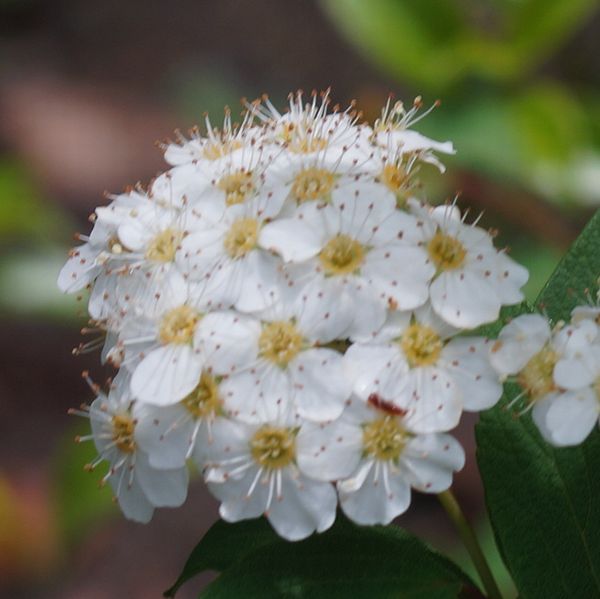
[469, 539]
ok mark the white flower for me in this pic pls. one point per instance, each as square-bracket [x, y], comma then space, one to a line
[376, 459]
[224, 257]
[254, 471]
[172, 434]
[543, 359]
[137, 485]
[392, 133]
[473, 279]
[309, 130]
[358, 249]
[163, 351]
[217, 144]
[275, 364]
[558, 370]
[520, 340]
[418, 365]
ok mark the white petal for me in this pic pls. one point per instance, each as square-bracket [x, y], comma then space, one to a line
[294, 239]
[329, 451]
[259, 281]
[464, 299]
[324, 312]
[132, 499]
[512, 276]
[578, 371]
[369, 310]
[166, 375]
[566, 419]
[432, 400]
[165, 434]
[163, 488]
[375, 501]
[238, 503]
[400, 273]
[303, 506]
[258, 395]
[430, 461]
[375, 369]
[518, 342]
[319, 384]
[79, 270]
[466, 361]
[229, 340]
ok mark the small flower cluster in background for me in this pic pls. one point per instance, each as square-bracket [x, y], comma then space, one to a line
[286, 313]
[558, 369]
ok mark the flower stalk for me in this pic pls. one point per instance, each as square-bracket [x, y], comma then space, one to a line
[471, 543]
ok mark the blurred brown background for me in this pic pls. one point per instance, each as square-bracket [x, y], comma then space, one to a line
[85, 90]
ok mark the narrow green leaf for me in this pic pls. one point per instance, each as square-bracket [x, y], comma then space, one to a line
[543, 502]
[346, 561]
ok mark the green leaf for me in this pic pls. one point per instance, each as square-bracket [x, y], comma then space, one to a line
[543, 502]
[575, 279]
[222, 545]
[346, 561]
[438, 43]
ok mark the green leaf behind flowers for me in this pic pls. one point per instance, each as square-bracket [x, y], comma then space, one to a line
[345, 561]
[544, 503]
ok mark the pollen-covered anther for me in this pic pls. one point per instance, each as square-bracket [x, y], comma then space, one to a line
[394, 177]
[178, 325]
[536, 377]
[204, 400]
[123, 426]
[446, 252]
[312, 184]
[164, 246]
[217, 149]
[306, 144]
[237, 186]
[280, 342]
[273, 447]
[241, 237]
[342, 255]
[421, 345]
[384, 438]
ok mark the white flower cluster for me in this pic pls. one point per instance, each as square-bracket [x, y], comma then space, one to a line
[558, 370]
[287, 314]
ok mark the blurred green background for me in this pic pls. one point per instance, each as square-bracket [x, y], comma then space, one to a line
[85, 90]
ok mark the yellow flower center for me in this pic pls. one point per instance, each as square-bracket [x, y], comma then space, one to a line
[446, 251]
[204, 400]
[273, 447]
[537, 375]
[393, 177]
[280, 342]
[217, 149]
[312, 184]
[384, 438]
[164, 246]
[237, 186]
[122, 434]
[342, 255]
[306, 145]
[241, 237]
[421, 345]
[178, 325]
